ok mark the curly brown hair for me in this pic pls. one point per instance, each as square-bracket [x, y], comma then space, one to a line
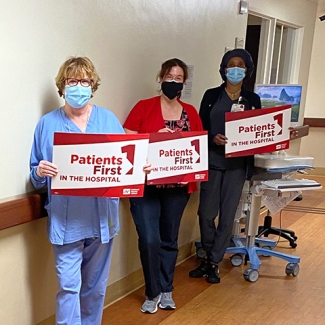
[167, 66]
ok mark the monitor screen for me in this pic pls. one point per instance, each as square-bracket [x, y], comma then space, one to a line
[278, 95]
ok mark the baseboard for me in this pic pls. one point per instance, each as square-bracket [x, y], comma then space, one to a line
[131, 282]
[48, 321]
[124, 286]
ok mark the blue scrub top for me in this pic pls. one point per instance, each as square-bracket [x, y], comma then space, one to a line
[72, 218]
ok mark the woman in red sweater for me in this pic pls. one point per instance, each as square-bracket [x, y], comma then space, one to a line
[157, 215]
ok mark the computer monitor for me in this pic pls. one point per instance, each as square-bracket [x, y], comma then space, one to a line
[278, 95]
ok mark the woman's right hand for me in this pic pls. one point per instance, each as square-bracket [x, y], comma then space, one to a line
[46, 168]
[166, 130]
[220, 139]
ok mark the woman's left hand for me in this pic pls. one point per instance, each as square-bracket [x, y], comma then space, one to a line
[293, 133]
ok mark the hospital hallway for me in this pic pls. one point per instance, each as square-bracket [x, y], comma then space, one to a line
[274, 299]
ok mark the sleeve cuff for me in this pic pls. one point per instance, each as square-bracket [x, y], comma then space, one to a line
[37, 178]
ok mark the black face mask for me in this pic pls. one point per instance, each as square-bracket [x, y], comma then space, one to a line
[171, 89]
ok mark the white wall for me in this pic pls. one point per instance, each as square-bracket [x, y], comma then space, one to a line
[290, 12]
[313, 145]
[127, 40]
[315, 101]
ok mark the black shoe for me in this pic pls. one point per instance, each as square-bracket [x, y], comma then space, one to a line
[298, 198]
[200, 271]
[213, 274]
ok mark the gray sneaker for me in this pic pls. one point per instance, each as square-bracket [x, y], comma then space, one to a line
[151, 306]
[167, 301]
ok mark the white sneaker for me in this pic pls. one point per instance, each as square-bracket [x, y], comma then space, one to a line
[167, 301]
[151, 306]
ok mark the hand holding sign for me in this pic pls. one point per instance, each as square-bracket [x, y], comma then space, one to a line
[46, 168]
[220, 139]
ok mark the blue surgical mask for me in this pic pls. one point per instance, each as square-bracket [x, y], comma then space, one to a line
[77, 96]
[235, 75]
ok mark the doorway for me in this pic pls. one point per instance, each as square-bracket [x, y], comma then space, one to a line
[274, 47]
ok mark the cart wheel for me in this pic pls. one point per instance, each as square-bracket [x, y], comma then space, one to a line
[251, 275]
[292, 269]
[293, 245]
[236, 260]
[201, 253]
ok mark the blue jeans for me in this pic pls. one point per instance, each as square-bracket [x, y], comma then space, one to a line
[157, 216]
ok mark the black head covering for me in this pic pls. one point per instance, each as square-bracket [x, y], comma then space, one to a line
[240, 53]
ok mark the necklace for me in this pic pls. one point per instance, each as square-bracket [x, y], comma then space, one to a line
[232, 96]
[88, 117]
[80, 126]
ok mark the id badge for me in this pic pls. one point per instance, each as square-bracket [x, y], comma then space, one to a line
[237, 107]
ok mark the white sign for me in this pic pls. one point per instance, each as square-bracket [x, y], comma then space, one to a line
[99, 164]
[257, 131]
[178, 157]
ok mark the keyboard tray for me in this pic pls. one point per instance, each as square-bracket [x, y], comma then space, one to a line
[269, 161]
[290, 183]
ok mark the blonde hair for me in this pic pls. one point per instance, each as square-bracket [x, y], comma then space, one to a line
[76, 67]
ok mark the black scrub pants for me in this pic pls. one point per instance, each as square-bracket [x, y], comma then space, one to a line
[219, 195]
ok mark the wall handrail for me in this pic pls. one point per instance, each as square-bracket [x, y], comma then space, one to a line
[315, 122]
[22, 210]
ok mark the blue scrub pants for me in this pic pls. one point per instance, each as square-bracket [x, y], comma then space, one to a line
[82, 270]
[157, 216]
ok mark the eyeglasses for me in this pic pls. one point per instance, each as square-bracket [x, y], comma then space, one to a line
[72, 82]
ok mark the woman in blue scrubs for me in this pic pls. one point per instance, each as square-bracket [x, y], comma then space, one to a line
[81, 229]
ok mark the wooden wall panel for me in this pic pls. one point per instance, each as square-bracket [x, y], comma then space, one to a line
[25, 209]
[314, 122]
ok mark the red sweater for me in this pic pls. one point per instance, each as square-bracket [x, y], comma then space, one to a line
[146, 117]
